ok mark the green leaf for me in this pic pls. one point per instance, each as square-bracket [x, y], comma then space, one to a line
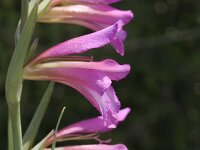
[15, 70]
[57, 126]
[33, 128]
[24, 12]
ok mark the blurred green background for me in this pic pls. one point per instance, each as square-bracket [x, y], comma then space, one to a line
[163, 88]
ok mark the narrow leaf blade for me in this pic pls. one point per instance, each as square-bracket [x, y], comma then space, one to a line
[33, 128]
[57, 126]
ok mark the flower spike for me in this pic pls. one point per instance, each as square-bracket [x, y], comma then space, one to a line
[92, 79]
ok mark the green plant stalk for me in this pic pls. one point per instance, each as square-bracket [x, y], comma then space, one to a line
[14, 110]
[10, 137]
[14, 78]
[15, 71]
[24, 12]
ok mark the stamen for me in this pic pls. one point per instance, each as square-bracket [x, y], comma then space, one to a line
[66, 58]
[102, 141]
[76, 137]
[83, 137]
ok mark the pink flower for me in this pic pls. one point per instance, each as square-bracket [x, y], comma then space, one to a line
[88, 128]
[93, 14]
[92, 79]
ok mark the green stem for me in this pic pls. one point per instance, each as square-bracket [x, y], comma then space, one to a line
[14, 111]
[14, 79]
[24, 12]
[10, 135]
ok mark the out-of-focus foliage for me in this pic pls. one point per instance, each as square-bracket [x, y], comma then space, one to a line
[163, 88]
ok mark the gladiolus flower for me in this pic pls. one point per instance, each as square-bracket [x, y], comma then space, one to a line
[88, 129]
[92, 79]
[93, 14]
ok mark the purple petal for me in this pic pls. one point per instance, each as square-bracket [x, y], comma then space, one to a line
[118, 41]
[93, 125]
[82, 44]
[106, 67]
[95, 17]
[96, 14]
[94, 147]
[107, 106]
[92, 79]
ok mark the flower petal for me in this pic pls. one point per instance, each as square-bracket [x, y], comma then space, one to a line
[81, 44]
[107, 67]
[93, 125]
[92, 79]
[94, 147]
[97, 14]
[89, 126]
[107, 106]
[93, 16]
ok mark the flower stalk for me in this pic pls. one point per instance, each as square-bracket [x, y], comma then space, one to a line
[24, 12]
[14, 79]
[96, 76]
[14, 110]
[10, 137]
[93, 79]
